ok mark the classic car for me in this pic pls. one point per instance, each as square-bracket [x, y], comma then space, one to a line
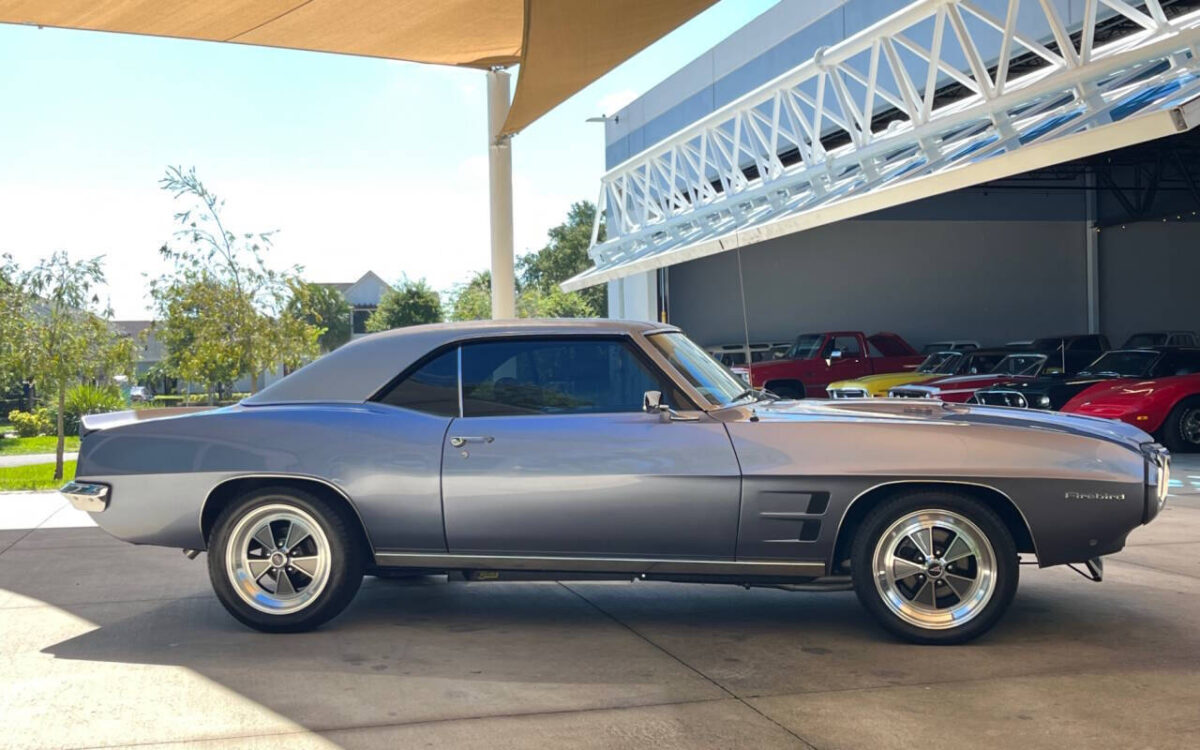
[1013, 368]
[817, 359]
[733, 356]
[938, 365]
[1053, 391]
[950, 345]
[1160, 338]
[1070, 354]
[611, 450]
[1168, 407]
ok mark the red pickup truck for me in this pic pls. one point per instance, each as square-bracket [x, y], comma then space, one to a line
[817, 359]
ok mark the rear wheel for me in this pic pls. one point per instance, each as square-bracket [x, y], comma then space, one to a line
[935, 567]
[284, 560]
[1181, 430]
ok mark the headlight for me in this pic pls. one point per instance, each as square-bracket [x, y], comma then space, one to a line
[1043, 402]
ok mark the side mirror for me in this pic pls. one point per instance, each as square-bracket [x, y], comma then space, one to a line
[835, 354]
[652, 402]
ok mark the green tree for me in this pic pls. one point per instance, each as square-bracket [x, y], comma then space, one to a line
[472, 300]
[222, 311]
[68, 336]
[12, 307]
[564, 256]
[409, 304]
[322, 307]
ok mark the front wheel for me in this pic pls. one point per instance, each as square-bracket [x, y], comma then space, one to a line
[1181, 430]
[934, 567]
[282, 560]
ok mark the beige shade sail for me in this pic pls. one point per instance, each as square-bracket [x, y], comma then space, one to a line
[561, 45]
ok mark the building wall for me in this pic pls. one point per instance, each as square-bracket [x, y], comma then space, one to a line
[994, 281]
[1148, 276]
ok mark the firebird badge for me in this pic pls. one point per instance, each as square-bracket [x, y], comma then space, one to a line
[1095, 495]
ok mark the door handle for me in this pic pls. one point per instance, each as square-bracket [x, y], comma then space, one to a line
[459, 442]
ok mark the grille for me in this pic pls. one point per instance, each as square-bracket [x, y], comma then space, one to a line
[847, 392]
[905, 393]
[1002, 398]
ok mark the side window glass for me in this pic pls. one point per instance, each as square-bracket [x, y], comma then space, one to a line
[432, 388]
[555, 376]
[848, 346]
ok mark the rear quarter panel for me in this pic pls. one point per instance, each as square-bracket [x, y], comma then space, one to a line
[385, 460]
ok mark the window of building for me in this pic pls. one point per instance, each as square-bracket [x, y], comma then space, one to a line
[556, 376]
[358, 321]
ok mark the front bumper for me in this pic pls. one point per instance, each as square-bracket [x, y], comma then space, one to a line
[87, 496]
[1158, 479]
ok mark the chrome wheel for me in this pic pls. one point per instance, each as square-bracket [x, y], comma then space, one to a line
[278, 559]
[1189, 426]
[934, 569]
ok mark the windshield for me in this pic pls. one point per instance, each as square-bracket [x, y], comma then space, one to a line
[1125, 364]
[1145, 339]
[941, 363]
[1020, 364]
[717, 385]
[806, 346]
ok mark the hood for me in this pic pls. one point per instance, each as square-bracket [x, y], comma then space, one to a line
[937, 411]
[885, 379]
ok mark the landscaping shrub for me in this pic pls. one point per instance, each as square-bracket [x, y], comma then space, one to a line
[31, 423]
[89, 399]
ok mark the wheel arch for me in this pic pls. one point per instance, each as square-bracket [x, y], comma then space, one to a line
[865, 501]
[229, 490]
[792, 383]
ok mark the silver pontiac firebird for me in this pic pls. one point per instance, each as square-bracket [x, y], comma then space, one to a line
[552, 449]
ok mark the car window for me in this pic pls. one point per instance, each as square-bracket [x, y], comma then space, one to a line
[556, 376]
[805, 346]
[1178, 363]
[847, 345]
[431, 388]
[1020, 364]
[1123, 363]
[940, 362]
[717, 385]
[977, 364]
[1086, 344]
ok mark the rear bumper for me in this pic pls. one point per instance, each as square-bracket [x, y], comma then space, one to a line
[87, 496]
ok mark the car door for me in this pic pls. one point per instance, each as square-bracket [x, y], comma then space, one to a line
[554, 456]
[851, 364]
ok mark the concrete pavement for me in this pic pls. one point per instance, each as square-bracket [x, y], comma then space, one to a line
[105, 644]
[29, 459]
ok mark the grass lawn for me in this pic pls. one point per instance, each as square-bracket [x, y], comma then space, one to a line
[43, 444]
[34, 477]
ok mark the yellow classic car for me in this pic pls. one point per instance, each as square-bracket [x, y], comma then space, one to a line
[936, 365]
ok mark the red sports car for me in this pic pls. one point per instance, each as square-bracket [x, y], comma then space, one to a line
[1169, 408]
[1012, 369]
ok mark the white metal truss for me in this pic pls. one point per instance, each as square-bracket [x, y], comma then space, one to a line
[723, 183]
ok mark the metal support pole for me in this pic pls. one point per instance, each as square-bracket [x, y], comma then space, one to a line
[1093, 254]
[501, 195]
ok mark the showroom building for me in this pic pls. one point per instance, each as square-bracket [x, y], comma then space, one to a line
[1069, 208]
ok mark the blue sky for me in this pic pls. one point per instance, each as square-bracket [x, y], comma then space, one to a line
[359, 163]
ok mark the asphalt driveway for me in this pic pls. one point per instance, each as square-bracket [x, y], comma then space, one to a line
[105, 644]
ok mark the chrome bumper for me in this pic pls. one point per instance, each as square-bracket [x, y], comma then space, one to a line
[86, 496]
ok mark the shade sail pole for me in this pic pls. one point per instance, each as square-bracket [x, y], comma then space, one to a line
[501, 195]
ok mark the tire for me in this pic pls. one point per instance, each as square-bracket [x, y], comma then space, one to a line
[304, 528]
[969, 593]
[788, 389]
[1181, 430]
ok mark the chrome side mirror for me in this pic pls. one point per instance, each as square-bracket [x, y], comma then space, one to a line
[835, 354]
[652, 402]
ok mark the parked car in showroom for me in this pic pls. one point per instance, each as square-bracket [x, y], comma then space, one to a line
[1054, 391]
[938, 365]
[1046, 356]
[1160, 338]
[733, 356]
[1013, 368]
[609, 449]
[817, 359]
[1168, 407]
[950, 345]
